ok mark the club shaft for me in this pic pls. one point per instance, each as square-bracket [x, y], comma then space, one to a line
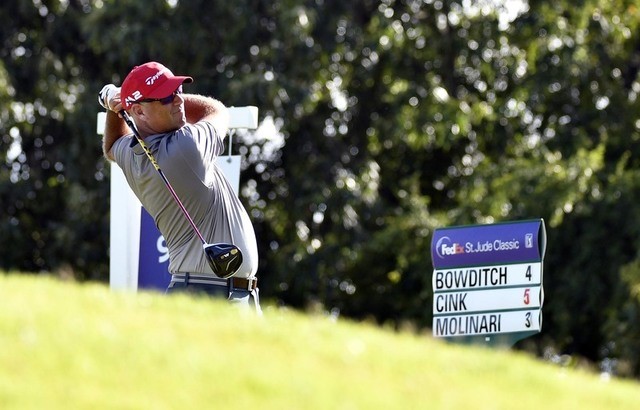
[146, 150]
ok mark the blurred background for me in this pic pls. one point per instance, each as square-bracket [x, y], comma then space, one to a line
[380, 121]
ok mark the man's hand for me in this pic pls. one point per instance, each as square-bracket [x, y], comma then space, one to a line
[109, 98]
[115, 127]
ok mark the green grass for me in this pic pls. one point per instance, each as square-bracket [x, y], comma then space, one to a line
[71, 346]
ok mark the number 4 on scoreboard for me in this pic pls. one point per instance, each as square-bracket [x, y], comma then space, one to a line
[528, 273]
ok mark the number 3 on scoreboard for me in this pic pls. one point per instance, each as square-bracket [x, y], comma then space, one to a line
[527, 319]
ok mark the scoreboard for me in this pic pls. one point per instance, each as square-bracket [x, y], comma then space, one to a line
[487, 281]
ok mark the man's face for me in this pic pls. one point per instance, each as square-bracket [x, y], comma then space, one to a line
[165, 114]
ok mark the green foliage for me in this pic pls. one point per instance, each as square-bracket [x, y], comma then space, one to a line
[53, 172]
[121, 350]
[393, 118]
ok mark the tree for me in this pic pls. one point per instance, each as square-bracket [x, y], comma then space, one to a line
[393, 118]
[49, 179]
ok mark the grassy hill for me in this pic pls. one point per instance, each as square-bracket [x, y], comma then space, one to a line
[72, 346]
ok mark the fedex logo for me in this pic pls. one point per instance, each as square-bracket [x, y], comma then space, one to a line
[444, 247]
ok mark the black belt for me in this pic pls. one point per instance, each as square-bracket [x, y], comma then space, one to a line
[234, 283]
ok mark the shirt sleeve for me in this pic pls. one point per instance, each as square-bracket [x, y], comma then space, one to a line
[207, 139]
[119, 147]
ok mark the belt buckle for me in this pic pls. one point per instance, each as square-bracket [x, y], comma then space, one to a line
[250, 282]
[235, 283]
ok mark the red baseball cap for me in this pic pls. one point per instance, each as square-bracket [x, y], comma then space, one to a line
[149, 80]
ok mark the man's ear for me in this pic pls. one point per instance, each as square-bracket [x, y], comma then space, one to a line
[137, 110]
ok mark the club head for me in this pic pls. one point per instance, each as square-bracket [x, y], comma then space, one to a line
[224, 258]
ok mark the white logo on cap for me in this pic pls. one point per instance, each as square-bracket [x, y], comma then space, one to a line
[135, 96]
[153, 78]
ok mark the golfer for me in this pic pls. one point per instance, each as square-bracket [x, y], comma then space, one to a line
[185, 134]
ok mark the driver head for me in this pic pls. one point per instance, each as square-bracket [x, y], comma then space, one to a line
[224, 259]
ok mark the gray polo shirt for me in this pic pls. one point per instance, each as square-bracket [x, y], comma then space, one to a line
[187, 157]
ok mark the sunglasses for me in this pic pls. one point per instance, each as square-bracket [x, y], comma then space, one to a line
[165, 100]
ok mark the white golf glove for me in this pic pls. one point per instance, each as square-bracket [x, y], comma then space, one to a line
[108, 93]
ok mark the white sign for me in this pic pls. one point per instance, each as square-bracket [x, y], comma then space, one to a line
[487, 281]
[524, 274]
[486, 300]
[488, 323]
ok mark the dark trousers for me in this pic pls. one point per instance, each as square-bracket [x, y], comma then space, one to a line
[236, 290]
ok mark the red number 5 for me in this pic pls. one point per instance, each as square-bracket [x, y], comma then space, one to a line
[526, 296]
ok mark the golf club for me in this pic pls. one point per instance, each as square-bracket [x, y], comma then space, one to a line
[223, 258]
